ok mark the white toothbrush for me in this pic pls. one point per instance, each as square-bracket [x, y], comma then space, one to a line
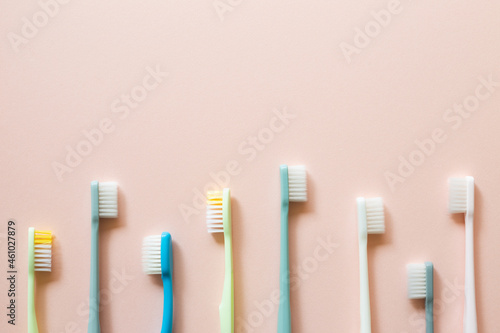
[370, 221]
[462, 201]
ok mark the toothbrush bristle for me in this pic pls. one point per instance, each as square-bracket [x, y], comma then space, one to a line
[297, 183]
[151, 254]
[214, 212]
[108, 199]
[458, 195]
[43, 251]
[417, 281]
[375, 220]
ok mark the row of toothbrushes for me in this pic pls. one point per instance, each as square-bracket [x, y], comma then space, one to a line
[157, 253]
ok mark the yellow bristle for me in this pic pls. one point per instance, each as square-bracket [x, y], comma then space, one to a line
[43, 237]
[214, 197]
[214, 212]
[43, 250]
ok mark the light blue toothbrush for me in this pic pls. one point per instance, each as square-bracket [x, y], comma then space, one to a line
[104, 203]
[421, 285]
[293, 188]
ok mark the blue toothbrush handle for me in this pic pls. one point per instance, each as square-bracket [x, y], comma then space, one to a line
[94, 324]
[166, 276]
[429, 300]
[284, 312]
[429, 317]
[168, 305]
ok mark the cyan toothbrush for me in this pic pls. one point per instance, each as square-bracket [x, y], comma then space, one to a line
[462, 201]
[370, 221]
[104, 203]
[219, 220]
[39, 259]
[157, 259]
[293, 188]
[421, 285]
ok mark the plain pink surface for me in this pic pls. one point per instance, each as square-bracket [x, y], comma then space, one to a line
[227, 79]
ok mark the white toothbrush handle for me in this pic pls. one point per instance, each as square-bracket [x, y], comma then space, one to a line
[470, 319]
[364, 289]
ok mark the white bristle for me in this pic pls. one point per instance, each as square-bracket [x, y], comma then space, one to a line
[417, 281]
[297, 183]
[151, 254]
[214, 212]
[43, 251]
[375, 221]
[108, 199]
[458, 195]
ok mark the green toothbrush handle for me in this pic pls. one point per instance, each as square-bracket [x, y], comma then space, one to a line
[226, 308]
[284, 312]
[94, 324]
[32, 324]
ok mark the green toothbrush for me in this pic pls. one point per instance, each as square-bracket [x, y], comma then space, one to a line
[219, 221]
[39, 259]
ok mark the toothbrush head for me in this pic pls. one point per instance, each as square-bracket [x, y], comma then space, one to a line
[416, 281]
[108, 199]
[420, 280]
[43, 250]
[151, 254]
[216, 201]
[157, 254]
[461, 190]
[297, 183]
[375, 220]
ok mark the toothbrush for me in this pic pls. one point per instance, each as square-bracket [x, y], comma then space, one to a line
[104, 203]
[293, 188]
[39, 259]
[157, 259]
[462, 201]
[421, 285]
[370, 221]
[218, 221]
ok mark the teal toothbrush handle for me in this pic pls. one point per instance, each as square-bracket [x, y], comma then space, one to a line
[284, 312]
[168, 295]
[94, 324]
[429, 299]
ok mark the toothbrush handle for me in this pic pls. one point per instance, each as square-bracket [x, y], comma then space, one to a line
[429, 317]
[32, 324]
[470, 319]
[284, 312]
[429, 299]
[226, 308]
[363, 285]
[94, 325]
[168, 305]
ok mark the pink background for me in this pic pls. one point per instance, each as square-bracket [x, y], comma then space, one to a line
[352, 122]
